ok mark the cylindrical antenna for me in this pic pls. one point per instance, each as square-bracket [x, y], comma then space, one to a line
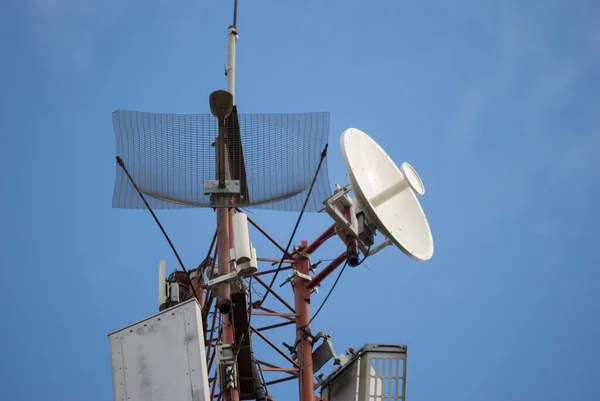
[241, 238]
[231, 38]
[162, 284]
[235, 2]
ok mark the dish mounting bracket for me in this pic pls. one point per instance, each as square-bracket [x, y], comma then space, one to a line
[340, 205]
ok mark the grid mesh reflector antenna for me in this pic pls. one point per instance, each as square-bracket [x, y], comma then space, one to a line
[169, 156]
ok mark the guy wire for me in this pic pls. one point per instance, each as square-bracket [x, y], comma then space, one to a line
[323, 154]
[187, 274]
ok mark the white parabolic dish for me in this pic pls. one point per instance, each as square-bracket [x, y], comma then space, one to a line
[386, 193]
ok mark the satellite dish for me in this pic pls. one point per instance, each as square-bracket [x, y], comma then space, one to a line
[387, 194]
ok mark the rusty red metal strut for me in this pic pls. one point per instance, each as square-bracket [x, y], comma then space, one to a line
[303, 344]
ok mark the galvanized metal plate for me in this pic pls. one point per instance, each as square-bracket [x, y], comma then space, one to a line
[231, 187]
[161, 358]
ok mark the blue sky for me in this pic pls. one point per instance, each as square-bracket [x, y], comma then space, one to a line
[495, 104]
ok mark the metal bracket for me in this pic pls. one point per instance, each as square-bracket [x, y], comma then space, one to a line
[302, 275]
[301, 334]
[224, 279]
[359, 227]
[291, 350]
[319, 381]
[324, 352]
[212, 187]
[295, 274]
[339, 192]
[379, 247]
[334, 206]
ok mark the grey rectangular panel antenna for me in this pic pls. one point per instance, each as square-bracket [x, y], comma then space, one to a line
[161, 358]
[375, 373]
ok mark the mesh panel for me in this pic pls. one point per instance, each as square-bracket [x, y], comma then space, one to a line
[169, 156]
[386, 379]
[377, 372]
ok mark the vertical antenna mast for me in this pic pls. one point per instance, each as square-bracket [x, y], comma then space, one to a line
[224, 228]
[231, 38]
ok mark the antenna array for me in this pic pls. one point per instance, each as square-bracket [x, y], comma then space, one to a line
[172, 158]
[226, 161]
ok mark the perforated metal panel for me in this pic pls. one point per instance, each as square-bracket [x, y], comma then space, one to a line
[374, 373]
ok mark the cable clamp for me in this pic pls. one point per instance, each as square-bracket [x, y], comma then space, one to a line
[290, 278]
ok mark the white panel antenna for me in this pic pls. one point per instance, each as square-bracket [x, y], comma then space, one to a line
[174, 293]
[241, 238]
[162, 284]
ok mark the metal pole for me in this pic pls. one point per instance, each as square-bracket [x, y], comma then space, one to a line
[224, 298]
[303, 347]
[224, 229]
[228, 333]
[231, 38]
[224, 267]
